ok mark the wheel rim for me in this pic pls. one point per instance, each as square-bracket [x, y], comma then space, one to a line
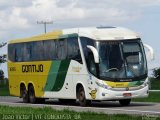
[24, 95]
[81, 96]
[31, 95]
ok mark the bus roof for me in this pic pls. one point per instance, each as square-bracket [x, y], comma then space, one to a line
[96, 33]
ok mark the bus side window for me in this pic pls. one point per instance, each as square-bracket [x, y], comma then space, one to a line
[50, 50]
[38, 51]
[88, 54]
[19, 52]
[27, 52]
[73, 50]
[61, 49]
[11, 52]
[85, 42]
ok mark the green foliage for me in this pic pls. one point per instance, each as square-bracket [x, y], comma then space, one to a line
[1, 75]
[3, 58]
[153, 97]
[4, 88]
[154, 84]
[156, 73]
[2, 44]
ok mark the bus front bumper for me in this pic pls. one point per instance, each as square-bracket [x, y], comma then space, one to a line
[117, 95]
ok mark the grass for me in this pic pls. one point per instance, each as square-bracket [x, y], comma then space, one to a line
[4, 89]
[49, 113]
[153, 97]
[29, 113]
[155, 84]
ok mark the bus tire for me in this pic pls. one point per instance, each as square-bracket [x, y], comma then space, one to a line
[24, 94]
[82, 98]
[125, 102]
[31, 92]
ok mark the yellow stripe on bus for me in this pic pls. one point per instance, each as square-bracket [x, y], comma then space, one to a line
[47, 36]
[117, 84]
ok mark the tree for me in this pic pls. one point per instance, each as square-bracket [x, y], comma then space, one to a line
[156, 73]
[2, 44]
[1, 75]
[3, 59]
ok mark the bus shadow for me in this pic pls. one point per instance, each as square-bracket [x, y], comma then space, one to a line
[104, 104]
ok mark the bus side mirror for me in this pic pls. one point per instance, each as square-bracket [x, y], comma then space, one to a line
[151, 51]
[95, 53]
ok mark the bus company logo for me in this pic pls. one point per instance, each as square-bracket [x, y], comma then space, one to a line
[76, 69]
[32, 68]
[119, 85]
[125, 80]
[93, 94]
[127, 88]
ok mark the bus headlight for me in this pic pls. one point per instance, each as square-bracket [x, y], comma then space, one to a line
[103, 85]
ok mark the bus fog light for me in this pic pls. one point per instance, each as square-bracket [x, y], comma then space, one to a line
[103, 94]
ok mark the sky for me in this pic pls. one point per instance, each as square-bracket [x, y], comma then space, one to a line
[18, 18]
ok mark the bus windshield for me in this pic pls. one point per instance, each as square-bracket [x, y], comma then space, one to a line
[121, 59]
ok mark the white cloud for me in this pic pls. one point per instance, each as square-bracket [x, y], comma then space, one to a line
[5, 4]
[81, 11]
[2, 34]
[48, 9]
[23, 14]
[145, 2]
[12, 19]
[20, 14]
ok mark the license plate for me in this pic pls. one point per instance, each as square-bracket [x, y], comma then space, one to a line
[127, 94]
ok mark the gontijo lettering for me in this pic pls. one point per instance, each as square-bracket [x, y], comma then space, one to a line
[32, 68]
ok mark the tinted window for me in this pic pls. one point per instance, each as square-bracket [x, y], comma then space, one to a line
[85, 42]
[45, 50]
[11, 52]
[62, 49]
[73, 49]
[27, 52]
[50, 50]
[37, 51]
[89, 55]
[18, 52]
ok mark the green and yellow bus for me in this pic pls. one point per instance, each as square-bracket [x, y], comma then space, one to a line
[83, 64]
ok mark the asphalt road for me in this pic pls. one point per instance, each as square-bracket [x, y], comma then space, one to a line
[136, 108]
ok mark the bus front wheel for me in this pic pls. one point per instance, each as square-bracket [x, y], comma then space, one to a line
[81, 97]
[125, 102]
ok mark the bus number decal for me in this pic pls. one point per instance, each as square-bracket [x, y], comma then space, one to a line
[12, 69]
